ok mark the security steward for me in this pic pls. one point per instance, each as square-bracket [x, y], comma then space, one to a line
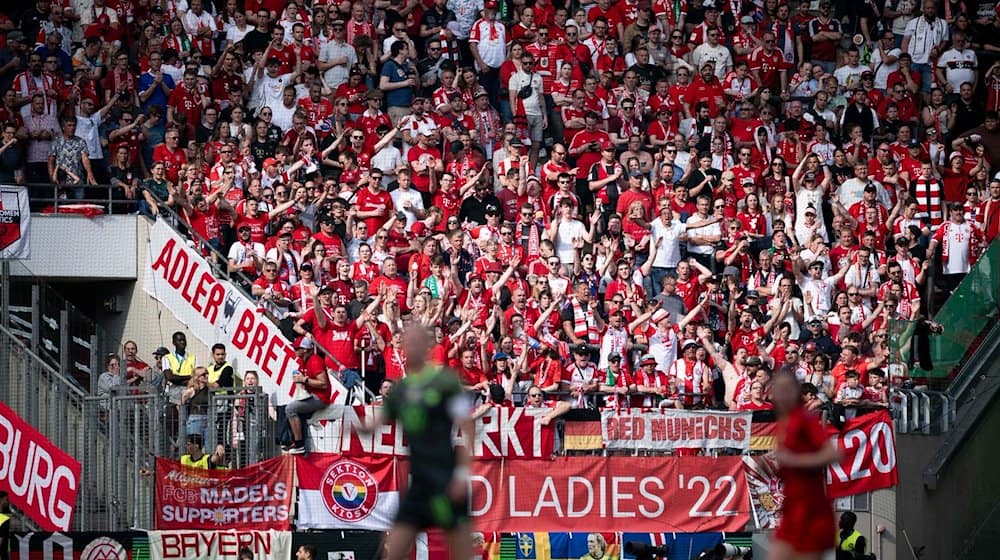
[198, 459]
[850, 542]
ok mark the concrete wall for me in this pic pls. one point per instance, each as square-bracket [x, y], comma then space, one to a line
[73, 247]
[960, 518]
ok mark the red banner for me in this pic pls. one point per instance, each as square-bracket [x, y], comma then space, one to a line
[501, 433]
[41, 480]
[868, 446]
[635, 494]
[868, 463]
[258, 497]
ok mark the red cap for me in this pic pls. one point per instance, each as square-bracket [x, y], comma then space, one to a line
[269, 161]
[491, 5]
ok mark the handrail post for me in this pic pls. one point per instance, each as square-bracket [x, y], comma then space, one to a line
[925, 421]
[904, 412]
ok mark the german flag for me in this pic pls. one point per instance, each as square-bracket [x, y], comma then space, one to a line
[763, 436]
[583, 436]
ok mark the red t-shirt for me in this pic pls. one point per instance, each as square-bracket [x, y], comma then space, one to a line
[368, 202]
[339, 342]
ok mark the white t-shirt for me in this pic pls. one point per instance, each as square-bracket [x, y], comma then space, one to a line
[957, 237]
[399, 196]
[883, 70]
[924, 36]
[667, 241]
[718, 54]
[959, 67]
[566, 232]
[87, 128]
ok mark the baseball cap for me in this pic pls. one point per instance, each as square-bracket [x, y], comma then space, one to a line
[516, 142]
[914, 143]
[581, 349]
[730, 271]
[690, 343]
[480, 93]
[659, 315]
[754, 361]
[647, 359]
[614, 357]
[324, 290]
[746, 19]
[810, 209]
[494, 267]
[870, 188]
[269, 162]
[635, 173]
[500, 356]
[753, 294]
[161, 351]
[492, 209]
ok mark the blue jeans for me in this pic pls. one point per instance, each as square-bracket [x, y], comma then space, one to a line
[656, 275]
[349, 378]
[926, 76]
[198, 424]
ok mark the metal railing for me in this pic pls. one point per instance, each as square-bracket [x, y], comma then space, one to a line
[52, 197]
[923, 412]
[50, 401]
[59, 332]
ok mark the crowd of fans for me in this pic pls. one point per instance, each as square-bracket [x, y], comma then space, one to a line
[593, 204]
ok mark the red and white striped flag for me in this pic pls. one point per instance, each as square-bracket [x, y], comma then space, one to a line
[337, 492]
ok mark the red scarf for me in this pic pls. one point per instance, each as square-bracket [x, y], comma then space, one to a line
[584, 325]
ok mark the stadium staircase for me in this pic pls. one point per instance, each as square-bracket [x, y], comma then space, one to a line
[51, 355]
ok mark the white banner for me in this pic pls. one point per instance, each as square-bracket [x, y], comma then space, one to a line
[217, 312]
[219, 545]
[501, 433]
[15, 222]
[668, 429]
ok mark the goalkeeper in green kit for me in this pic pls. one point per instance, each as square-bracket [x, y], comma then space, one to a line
[428, 403]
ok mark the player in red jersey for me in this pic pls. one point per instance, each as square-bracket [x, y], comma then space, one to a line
[807, 525]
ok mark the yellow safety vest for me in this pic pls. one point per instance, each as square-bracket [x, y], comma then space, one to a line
[201, 463]
[4, 518]
[848, 544]
[183, 369]
[215, 372]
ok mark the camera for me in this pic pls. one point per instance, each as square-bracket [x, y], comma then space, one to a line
[643, 551]
[726, 550]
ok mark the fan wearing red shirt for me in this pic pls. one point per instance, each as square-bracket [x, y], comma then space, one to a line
[188, 99]
[689, 286]
[311, 376]
[586, 148]
[472, 376]
[767, 65]
[338, 336]
[422, 159]
[374, 205]
[173, 158]
[707, 87]
[316, 107]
